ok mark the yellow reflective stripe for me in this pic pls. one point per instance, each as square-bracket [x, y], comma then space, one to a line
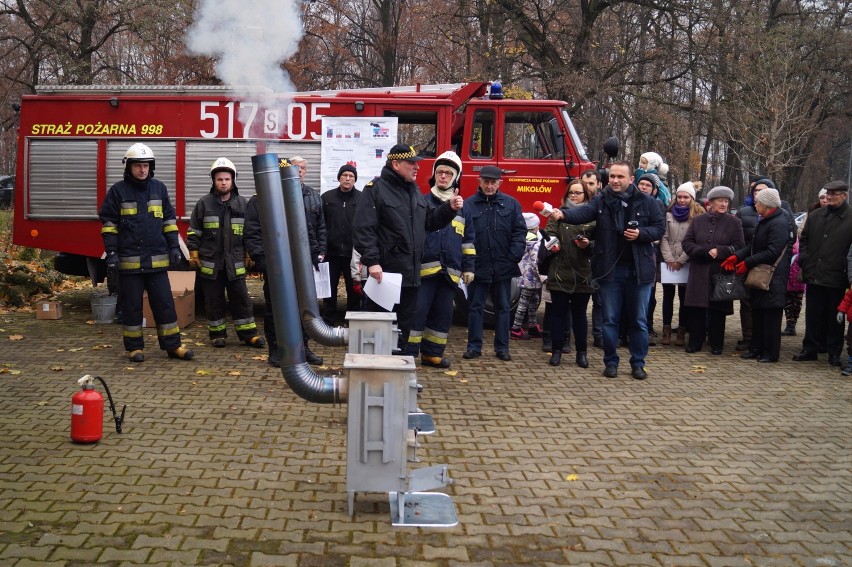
[415, 336]
[168, 329]
[194, 232]
[458, 224]
[240, 271]
[170, 226]
[215, 328]
[161, 261]
[109, 229]
[128, 209]
[435, 336]
[468, 252]
[245, 326]
[210, 222]
[237, 226]
[133, 331]
[129, 263]
[430, 268]
[468, 248]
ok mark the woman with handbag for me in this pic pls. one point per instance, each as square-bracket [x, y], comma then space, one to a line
[710, 239]
[770, 248]
[569, 279]
[678, 218]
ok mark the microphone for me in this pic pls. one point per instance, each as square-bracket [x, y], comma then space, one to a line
[550, 242]
[544, 209]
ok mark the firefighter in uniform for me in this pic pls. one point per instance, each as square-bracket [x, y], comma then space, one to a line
[140, 237]
[448, 256]
[215, 241]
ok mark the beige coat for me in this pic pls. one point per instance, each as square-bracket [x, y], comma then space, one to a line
[670, 245]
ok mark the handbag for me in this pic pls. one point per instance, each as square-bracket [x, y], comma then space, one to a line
[759, 276]
[545, 257]
[728, 286]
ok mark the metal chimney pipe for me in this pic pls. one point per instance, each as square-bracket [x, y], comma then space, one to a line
[300, 248]
[285, 309]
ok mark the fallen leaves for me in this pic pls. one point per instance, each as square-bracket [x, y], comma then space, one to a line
[202, 372]
[697, 369]
[57, 368]
[572, 477]
[16, 337]
[234, 373]
[451, 372]
[11, 371]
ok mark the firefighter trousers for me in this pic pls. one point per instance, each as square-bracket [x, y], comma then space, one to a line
[434, 316]
[162, 307]
[242, 310]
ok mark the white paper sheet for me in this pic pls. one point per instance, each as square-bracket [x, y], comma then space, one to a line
[385, 294]
[463, 288]
[322, 281]
[668, 275]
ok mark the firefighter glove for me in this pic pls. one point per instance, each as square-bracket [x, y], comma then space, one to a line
[730, 264]
[112, 260]
[175, 257]
[194, 260]
[467, 278]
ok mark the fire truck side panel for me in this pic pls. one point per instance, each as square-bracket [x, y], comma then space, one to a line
[71, 145]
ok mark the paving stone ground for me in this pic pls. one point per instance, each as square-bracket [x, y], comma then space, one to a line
[713, 461]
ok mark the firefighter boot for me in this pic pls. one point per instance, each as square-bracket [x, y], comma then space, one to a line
[256, 342]
[136, 356]
[181, 352]
[219, 342]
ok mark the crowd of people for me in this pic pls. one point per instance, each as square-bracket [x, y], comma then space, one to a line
[608, 243]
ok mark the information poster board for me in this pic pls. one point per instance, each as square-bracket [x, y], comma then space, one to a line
[363, 142]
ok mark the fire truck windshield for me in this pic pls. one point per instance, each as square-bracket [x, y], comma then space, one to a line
[581, 150]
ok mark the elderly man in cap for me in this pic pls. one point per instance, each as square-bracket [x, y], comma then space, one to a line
[389, 229]
[500, 240]
[823, 247]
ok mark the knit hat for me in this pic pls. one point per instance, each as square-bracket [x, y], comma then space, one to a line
[531, 220]
[347, 167]
[822, 193]
[654, 160]
[720, 191]
[650, 178]
[766, 181]
[768, 198]
[687, 188]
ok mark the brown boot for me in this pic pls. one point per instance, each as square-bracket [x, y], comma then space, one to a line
[667, 335]
[681, 336]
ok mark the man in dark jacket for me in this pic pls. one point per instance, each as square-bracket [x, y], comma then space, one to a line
[390, 227]
[623, 262]
[823, 246]
[500, 240]
[215, 242]
[140, 237]
[338, 206]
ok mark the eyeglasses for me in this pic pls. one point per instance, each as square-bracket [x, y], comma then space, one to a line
[575, 193]
[443, 173]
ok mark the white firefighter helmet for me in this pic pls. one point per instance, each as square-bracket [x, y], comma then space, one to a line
[451, 160]
[139, 152]
[223, 164]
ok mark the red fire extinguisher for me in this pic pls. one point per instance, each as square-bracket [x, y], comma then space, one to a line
[87, 411]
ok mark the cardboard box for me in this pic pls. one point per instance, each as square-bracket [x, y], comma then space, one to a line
[49, 310]
[183, 292]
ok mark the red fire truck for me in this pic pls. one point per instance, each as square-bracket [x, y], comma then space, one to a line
[72, 140]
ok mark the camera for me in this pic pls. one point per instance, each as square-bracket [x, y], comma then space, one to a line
[633, 224]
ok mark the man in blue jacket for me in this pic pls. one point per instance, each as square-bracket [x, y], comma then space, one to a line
[623, 263]
[500, 236]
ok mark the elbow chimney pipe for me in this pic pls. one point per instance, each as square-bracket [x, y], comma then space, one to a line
[285, 309]
[300, 249]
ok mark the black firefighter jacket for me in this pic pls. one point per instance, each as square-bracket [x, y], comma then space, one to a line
[390, 225]
[139, 224]
[216, 232]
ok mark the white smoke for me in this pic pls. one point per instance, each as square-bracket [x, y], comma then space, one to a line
[248, 40]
